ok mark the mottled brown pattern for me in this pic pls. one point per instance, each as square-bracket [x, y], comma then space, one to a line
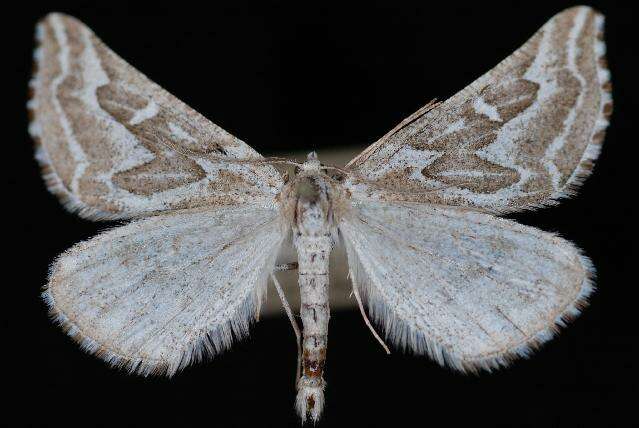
[399, 180]
[228, 182]
[520, 131]
[314, 364]
[585, 119]
[154, 130]
[151, 177]
[510, 97]
[83, 123]
[550, 120]
[95, 196]
[607, 110]
[154, 134]
[459, 148]
[563, 23]
[105, 166]
[598, 138]
[61, 160]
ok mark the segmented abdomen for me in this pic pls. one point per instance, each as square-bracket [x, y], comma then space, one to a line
[313, 256]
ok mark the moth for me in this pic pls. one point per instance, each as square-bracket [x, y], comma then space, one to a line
[417, 211]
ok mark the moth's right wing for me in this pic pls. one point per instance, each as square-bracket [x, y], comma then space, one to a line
[162, 292]
[469, 289]
[113, 144]
[521, 136]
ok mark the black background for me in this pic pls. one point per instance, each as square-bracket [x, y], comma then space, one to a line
[284, 77]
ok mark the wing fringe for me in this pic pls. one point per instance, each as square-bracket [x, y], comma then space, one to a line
[51, 179]
[398, 331]
[593, 149]
[207, 345]
[213, 343]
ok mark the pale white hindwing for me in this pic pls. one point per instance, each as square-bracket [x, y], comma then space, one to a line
[160, 293]
[113, 144]
[470, 290]
[519, 137]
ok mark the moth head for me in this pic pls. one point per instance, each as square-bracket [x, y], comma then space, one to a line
[312, 163]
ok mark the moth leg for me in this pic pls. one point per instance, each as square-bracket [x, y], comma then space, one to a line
[289, 313]
[366, 320]
[278, 268]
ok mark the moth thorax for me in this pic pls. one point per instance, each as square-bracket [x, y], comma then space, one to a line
[313, 212]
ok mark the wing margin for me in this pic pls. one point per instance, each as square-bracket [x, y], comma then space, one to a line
[153, 272]
[436, 311]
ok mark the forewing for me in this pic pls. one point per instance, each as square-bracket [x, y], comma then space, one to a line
[471, 290]
[159, 293]
[113, 144]
[519, 137]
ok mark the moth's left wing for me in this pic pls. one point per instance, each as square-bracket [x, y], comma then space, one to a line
[113, 144]
[469, 289]
[519, 137]
[162, 292]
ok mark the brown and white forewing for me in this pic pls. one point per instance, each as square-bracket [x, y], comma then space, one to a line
[113, 144]
[469, 289]
[519, 137]
[162, 292]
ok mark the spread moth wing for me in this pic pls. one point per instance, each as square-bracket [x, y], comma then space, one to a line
[469, 289]
[519, 137]
[113, 144]
[162, 292]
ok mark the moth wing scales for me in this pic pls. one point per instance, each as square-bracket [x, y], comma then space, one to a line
[521, 136]
[469, 289]
[112, 144]
[162, 292]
